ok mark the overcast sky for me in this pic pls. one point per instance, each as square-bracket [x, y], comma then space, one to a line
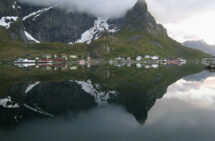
[186, 19]
[98, 8]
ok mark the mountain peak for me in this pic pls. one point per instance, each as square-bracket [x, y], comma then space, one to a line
[47, 24]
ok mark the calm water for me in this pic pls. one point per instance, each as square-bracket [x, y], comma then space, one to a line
[107, 103]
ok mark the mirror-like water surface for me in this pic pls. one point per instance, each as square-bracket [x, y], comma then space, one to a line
[103, 103]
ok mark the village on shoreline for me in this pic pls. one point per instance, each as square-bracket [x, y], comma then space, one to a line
[64, 62]
[74, 58]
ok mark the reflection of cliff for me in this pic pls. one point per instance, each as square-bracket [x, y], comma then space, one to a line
[135, 89]
[139, 89]
[51, 99]
[46, 99]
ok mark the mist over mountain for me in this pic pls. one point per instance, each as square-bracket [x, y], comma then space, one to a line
[97, 8]
[201, 45]
[108, 29]
[76, 21]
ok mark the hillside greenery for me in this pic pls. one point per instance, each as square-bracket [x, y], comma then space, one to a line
[132, 43]
[124, 43]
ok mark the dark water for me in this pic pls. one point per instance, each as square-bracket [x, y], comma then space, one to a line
[107, 103]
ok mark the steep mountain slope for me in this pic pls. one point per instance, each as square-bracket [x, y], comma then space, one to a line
[9, 19]
[140, 19]
[200, 45]
[137, 33]
[51, 24]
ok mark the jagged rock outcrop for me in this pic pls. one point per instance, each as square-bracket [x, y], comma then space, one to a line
[51, 24]
[140, 19]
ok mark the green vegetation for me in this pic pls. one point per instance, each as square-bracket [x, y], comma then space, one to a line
[138, 88]
[104, 75]
[124, 43]
[14, 49]
[133, 43]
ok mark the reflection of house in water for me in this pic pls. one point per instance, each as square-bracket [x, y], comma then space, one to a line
[24, 65]
[128, 65]
[48, 68]
[73, 68]
[155, 66]
[176, 61]
[82, 62]
[64, 68]
[52, 99]
[147, 66]
[138, 65]
[44, 61]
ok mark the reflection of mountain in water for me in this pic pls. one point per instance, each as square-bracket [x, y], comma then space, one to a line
[52, 99]
[135, 89]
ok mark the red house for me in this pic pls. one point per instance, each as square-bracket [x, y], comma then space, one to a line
[58, 60]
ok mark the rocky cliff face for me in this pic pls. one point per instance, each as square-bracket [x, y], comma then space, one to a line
[140, 19]
[50, 24]
[9, 18]
[7, 7]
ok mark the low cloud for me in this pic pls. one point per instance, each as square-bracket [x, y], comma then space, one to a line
[98, 8]
[186, 19]
[172, 11]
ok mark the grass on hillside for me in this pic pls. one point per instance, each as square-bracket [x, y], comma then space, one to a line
[123, 43]
[126, 43]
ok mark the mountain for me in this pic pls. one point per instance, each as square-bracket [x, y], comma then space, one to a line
[51, 24]
[201, 45]
[136, 33]
[44, 93]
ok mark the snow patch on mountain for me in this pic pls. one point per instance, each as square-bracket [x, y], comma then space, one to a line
[14, 6]
[36, 13]
[38, 110]
[7, 103]
[31, 38]
[96, 91]
[30, 87]
[6, 21]
[100, 25]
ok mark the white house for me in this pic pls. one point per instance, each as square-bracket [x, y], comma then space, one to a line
[119, 58]
[138, 66]
[155, 57]
[139, 58]
[182, 60]
[48, 56]
[21, 60]
[73, 56]
[147, 56]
